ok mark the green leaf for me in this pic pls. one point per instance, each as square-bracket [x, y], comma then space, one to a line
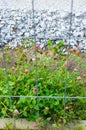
[11, 83]
[50, 43]
[54, 125]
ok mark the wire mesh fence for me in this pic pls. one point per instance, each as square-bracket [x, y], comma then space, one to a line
[20, 89]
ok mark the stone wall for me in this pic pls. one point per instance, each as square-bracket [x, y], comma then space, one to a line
[18, 24]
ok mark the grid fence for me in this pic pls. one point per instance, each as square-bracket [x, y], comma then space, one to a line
[64, 97]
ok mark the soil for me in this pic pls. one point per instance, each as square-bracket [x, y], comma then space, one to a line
[8, 58]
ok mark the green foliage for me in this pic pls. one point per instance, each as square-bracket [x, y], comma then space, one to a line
[8, 126]
[52, 78]
[55, 48]
[78, 128]
[27, 42]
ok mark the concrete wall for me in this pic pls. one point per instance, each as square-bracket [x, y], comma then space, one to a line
[52, 21]
[79, 5]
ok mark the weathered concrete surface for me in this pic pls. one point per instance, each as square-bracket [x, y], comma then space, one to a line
[19, 123]
[23, 124]
[79, 5]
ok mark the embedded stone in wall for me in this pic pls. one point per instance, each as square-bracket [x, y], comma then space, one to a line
[55, 25]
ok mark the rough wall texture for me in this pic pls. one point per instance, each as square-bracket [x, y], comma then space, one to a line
[79, 5]
[52, 21]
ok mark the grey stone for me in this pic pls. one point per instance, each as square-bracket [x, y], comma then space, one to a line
[26, 34]
[48, 25]
[12, 22]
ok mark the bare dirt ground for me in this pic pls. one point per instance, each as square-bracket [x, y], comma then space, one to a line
[8, 57]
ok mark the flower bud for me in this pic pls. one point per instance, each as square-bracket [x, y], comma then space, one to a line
[15, 112]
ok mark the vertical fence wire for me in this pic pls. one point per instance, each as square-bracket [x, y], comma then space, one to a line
[6, 72]
[35, 52]
[67, 60]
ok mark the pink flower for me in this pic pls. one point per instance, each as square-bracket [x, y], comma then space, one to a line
[78, 47]
[72, 50]
[37, 47]
[25, 50]
[15, 112]
[84, 75]
[67, 64]
[34, 124]
[35, 89]
[57, 55]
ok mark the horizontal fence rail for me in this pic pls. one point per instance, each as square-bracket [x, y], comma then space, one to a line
[61, 97]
